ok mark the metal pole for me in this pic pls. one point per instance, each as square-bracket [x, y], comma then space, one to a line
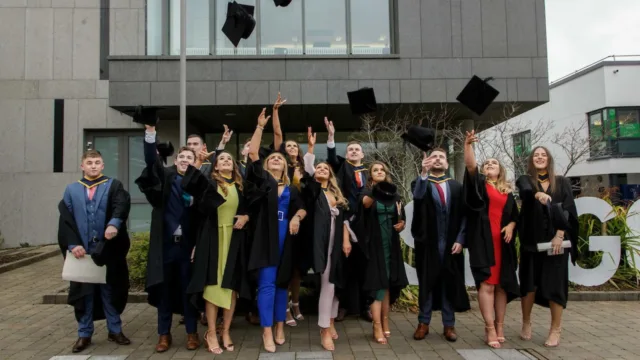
[183, 72]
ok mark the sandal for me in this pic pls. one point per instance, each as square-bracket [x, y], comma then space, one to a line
[525, 334]
[290, 320]
[327, 341]
[298, 317]
[501, 339]
[494, 344]
[268, 347]
[553, 332]
[334, 332]
[228, 347]
[215, 350]
[387, 333]
[380, 340]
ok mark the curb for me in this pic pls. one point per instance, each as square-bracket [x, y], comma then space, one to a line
[60, 297]
[28, 261]
[590, 295]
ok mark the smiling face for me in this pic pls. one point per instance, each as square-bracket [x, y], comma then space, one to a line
[184, 159]
[540, 159]
[224, 163]
[92, 166]
[354, 153]
[378, 173]
[291, 147]
[276, 162]
[323, 173]
[440, 163]
[491, 168]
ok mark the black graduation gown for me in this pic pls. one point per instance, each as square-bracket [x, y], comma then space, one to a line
[205, 264]
[344, 174]
[261, 193]
[430, 269]
[479, 239]
[547, 275]
[155, 183]
[115, 252]
[366, 227]
[316, 233]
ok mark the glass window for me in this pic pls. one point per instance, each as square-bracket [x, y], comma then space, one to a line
[222, 44]
[154, 27]
[136, 164]
[280, 28]
[109, 147]
[629, 123]
[140, 217]
[325, 27]
[521, 149]
[197, 27]
[370, 28]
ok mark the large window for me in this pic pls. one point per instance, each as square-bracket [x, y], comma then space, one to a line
[521, 149]
[305, 27]
[614, 132]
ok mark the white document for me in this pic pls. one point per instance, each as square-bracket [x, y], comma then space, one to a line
[547, 247]
[83, 270]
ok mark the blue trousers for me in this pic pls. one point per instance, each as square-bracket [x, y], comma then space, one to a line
[272, 300]
[165, 313]
[448, 315]
[114, 324]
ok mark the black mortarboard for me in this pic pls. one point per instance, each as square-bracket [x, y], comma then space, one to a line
[165, 149]
[477, 95]
[240, 22]
[385, 192]
[420, 137]
[362, 101]
[282, 3]
[145, 115]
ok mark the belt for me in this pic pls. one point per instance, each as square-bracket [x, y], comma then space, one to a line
[177, 238]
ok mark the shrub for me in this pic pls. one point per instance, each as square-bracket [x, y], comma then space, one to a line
[137, 259]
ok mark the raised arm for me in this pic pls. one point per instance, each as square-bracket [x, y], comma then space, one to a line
[332, 157]
[310, 157]
[278, 136]
[226, 137]
[254, 148]
[469, 155]
[150, 152]
[420, 188]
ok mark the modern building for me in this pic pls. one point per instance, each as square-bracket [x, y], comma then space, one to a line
[601, 102]
[70, 68]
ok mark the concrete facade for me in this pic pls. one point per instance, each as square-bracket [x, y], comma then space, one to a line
[51, 49]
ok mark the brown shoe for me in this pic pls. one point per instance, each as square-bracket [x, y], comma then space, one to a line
[450, 333]
[252, 319]
[421, 332]
[193, 341]
[119, 338]
[81, 344]
[341, 315]
[164, 343]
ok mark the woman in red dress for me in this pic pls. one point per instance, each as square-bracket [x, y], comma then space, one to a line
[491, 222]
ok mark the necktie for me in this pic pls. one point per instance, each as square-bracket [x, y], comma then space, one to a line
[441, 193]
[92, 192]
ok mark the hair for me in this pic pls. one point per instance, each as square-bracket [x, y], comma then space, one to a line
[502, 184]
[440, 150]
[355, 142]
[219, 179]
[196, 136]
[184, 148]
[285, 176]
[533, 172]
[91, 154]
[332, 186]
[386, 171]
[247, 141]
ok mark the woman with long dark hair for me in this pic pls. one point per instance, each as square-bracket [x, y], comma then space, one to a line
[544, 276]
[378, 221]
[491, 223]
[278, 212]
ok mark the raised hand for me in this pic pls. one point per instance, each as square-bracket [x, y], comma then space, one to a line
[471, 138]
[311, 137]
[427, 162]
[204, 154]
[330, 129]
[263, 119]
[279, 102]
[150, 128]
[227, 135]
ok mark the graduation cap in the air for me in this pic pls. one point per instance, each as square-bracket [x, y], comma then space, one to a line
[165, 150]
[477, 95]
[420, 137]
[240, 22]
[362, 101]
[146, 115]
[282, 3]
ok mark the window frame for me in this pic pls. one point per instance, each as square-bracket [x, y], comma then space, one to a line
[523, 138]
[612, 140]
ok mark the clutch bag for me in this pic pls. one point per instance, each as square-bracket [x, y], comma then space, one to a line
[83, 270]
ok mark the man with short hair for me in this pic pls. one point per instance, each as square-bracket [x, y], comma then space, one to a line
[438, 229]
[196, 143]
[93, 222]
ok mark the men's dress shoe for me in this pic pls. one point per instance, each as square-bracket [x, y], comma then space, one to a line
[193, 341]
[164, 343]
[252, 319]
[341, 314]
[421, 332]
[81, 344]
[119, 338]
[450, 333]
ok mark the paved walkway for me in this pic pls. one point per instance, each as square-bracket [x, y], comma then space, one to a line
[30, 330]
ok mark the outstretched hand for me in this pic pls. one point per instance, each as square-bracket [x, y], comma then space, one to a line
[279, 102]
[471, 138]
[311, 137]
[330, 129]
[227, 134]
[263, 119]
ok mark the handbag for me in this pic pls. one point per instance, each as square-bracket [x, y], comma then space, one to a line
[83, 270]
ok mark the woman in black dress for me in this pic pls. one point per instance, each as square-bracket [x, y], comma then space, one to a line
[544, 278]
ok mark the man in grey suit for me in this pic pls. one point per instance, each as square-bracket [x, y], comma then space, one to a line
[196, 143]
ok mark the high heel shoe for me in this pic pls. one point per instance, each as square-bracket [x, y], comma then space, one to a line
[387, 333]
[215, 350]
[326, 341]
[495, 344]
[268, 347]
[380, 340]
[226, 347]
[501, 339]
[525, 334]
[554, 332]
[298, 317]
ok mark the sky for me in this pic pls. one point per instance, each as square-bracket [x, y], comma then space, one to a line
[581, 32]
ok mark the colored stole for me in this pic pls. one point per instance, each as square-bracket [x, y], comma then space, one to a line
[359, 174]
[438, 179]
[543, 177]
[90, 183]
[229, 180]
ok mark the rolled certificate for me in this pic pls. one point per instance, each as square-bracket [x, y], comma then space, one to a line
[547, 246]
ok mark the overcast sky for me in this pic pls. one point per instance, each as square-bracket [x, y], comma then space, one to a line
[580, 32]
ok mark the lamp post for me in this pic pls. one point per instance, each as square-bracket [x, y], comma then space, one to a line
[183, 72]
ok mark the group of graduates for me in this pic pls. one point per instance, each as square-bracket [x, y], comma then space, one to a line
[224, 229]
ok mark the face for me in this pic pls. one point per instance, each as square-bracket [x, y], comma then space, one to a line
[491, 168]
[292, 148]
[378, 174]
[540, 159]
[322, 172]
[276, 162]
[439, 161]
[354, 153]
[245, 149]
[92, 167]
[224, 163]
[195, 144]
[183, 160]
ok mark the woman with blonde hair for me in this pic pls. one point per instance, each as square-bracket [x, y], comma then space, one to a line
[278, 212]
[491, 221]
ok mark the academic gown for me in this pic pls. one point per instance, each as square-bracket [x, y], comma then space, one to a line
[115, 254]
[549, 274]
[261, 195]
[430, 269]
[155, 183]
[479, 238]
[316, 233]
[205, 264]
[366, 227]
